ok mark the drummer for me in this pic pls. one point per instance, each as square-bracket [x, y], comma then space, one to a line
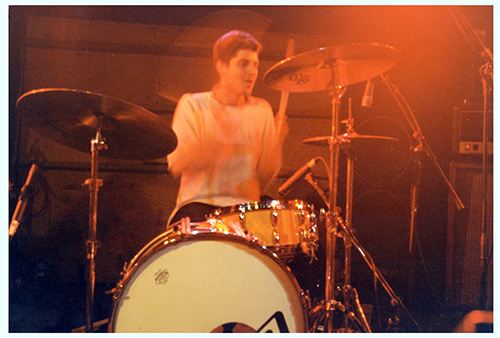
[229, 148]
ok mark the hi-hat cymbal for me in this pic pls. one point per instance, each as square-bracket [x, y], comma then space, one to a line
[72, 118]
[345, 139]
[322, 68]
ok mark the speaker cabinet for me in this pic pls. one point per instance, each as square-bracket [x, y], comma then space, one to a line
[468, 131]
[469, 245]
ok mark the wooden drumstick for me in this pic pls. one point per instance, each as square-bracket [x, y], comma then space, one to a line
[280, 116]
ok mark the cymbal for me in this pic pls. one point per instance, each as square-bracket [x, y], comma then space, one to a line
[342, 65]
[345, 138]
[72, 117]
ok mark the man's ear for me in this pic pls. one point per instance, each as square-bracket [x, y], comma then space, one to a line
[219, 66]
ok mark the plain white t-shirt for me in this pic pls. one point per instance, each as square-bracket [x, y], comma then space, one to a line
[226, 155]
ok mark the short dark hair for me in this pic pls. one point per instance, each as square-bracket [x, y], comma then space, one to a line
[228, 45]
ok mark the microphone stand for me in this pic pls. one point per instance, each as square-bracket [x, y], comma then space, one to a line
[422, 147]
[417, 151]
[24, 196]
[310, 179]
[486, 72]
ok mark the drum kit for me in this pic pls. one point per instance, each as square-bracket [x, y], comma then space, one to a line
[228, 273]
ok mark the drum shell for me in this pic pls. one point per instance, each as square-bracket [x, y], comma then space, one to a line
[279, 225]
[168, 242]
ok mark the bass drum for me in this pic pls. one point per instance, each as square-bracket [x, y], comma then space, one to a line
[207, 281]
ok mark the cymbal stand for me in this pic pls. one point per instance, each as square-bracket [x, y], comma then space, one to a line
[349, 293]
[331, 233]
[324, 322]
[348, 209]
[97, 144]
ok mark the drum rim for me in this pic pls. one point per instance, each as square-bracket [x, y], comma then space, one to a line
[173, 238]
[262, 205]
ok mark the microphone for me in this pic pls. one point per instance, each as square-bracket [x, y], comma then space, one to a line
[299, 174]
[367, 99]
[22, 201]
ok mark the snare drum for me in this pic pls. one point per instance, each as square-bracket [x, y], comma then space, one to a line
[207, 281]
[283, 226]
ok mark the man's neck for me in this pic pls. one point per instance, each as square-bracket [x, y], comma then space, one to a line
[226, 97]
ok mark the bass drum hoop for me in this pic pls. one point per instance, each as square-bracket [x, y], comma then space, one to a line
[172, 238]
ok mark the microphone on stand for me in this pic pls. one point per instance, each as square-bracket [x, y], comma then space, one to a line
[299, 174]
[22, 202]
[367, 99]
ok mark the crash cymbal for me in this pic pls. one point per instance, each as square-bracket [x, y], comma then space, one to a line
[345, 138]
[322, 68]
[71, 117]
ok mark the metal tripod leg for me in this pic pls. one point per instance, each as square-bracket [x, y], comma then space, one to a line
[395, 300]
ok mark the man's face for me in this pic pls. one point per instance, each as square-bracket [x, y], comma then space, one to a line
[240, 74]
